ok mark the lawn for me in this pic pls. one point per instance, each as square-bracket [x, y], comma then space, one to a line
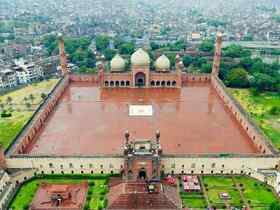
[21, 105]
[95, 197]
[193, 200]
[219, 184]
[257, 194]
[259, 107]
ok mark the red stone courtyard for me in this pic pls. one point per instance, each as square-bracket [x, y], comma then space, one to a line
[92, 121]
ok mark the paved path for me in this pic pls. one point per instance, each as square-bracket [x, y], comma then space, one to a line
[240, 192]
[204, 192]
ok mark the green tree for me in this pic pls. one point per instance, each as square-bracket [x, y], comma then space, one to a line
[206, 68]
[127, 48]
[154, 46]
[187, 60]
[102, 42]
[237, 78]
[32, 98]
[274, 206]
[263, 82]
[43, 96]
[109, 54]
[207, 46]
[236, 51]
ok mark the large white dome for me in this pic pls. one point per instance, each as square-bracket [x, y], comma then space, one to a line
[117, 63]
[162, 63]
[140, 58]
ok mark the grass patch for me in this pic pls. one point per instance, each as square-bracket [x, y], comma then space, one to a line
[22, 108]
[193, 200]
[259, 107]
[257, 193]
[96, 193]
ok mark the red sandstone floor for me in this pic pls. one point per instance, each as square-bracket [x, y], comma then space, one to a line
[90, 121]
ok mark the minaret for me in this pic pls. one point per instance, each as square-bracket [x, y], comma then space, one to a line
[62, 55]
[2, 158]
[179, 67]
[218, 53]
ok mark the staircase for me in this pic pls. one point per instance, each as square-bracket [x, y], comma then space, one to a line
[133, 195]
[142, 201]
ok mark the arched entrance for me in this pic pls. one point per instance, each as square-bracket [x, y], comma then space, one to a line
[142, 174]
[140, 79]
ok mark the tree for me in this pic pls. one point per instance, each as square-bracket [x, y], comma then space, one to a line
[102, 42]
[127, 48]
[9, 100]
[236, 51]
[207, 46]
[237, 78]
[274, 206]
[32, 98]
[263, 82]
[154, 46]
[206, 68]
[246, 63]
[43, 96]
[109, 54]
[187, 60]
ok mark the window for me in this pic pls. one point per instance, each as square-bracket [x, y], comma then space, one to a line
[173, 165]
[193, 165]
[213, 165]
[51, 165]
[90, 165]
[111, 165]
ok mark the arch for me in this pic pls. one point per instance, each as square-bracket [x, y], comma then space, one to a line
[122, 83]
[163, 83]
[117, 83]
[168, 83]
[127, 83]
[174, 83]
[140, 79]
[142, 174]
[112, 84]
[158, 83]
[153, 83]
[106, 83]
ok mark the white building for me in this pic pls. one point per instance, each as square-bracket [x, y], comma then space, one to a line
[8, 78]
[27, 72]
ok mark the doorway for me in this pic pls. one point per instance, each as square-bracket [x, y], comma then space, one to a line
[140, 79]
[142, 174]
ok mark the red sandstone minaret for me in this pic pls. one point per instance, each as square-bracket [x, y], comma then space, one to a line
[62, 55]
[218, 53]
[2, 158]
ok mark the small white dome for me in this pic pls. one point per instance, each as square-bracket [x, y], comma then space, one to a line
[162, 63]
[117, 63]
[140, 58]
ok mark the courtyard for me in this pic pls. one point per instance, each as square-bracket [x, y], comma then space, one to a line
[92, 121]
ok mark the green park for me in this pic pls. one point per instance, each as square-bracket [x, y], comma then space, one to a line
[17, 107]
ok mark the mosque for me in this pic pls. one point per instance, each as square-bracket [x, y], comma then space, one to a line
[140, 121]
[141, 74]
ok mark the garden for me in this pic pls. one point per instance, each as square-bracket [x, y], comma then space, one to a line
[241, 191]
[264, 108]
[96, 195]
[17, 107]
